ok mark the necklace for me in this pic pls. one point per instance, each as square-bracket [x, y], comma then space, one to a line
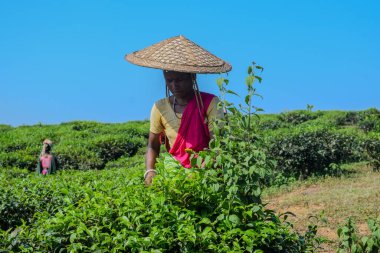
[178, 117]
[175, 103]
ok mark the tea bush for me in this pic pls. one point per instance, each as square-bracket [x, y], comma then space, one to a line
[305, 151]
[21, 159]
[91, 145]
[367, 120]
[112, 211]
[370, 120]
[24, 195]
[272, 124]
[347, 118]
[372, 147]
[138, 160]
[297, 117]
[4, 128]
[318, 145]
[78, 144]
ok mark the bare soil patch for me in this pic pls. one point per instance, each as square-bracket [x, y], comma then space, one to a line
[330, 201]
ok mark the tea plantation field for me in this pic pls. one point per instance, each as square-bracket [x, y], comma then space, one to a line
[98, 202]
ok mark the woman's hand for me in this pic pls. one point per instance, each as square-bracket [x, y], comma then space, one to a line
[152, 153]
[149, 174]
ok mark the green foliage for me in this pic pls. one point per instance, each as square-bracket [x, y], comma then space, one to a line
[316, 144]
[20, 159]
[271, 125]
[226, 222]
[351, 242]
[297, 117]
[368, 120]
[348, 118]
[112, 210]
[309, 107]
[4, 128]
[305, 151]
[76, 156]
[236, 148]
[127, 161]
[77, 145]
[91, 145]
[372, 147]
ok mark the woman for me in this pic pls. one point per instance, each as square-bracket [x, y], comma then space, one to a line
[47, 163]
[185, 116]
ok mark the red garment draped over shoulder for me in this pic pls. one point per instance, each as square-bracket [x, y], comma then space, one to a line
[193, 131]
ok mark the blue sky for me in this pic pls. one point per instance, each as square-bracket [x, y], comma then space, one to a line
[63, 60]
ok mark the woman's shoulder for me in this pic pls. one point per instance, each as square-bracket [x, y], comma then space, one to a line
[208, 96]
[162, 104]
[162, 101]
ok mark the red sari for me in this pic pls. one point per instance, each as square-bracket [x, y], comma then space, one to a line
[193, 131]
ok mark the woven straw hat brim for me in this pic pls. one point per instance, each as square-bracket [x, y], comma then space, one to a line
[179, 54]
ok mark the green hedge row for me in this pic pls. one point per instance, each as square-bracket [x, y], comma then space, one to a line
[367, 120]
[78, 145]
[305, 151]
[112, 211]
[372, 148]
[304, 142]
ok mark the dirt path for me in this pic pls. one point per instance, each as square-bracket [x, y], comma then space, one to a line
[329, 202]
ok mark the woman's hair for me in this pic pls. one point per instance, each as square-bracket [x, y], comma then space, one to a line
[46, 147]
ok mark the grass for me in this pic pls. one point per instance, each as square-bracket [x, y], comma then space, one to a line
[330, 201]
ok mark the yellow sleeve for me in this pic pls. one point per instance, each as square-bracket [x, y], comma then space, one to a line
[213, 112]
[156, 126]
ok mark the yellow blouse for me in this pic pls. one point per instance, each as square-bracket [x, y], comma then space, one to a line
[163, 118]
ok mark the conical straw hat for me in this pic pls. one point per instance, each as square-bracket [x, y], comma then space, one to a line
[178, 54]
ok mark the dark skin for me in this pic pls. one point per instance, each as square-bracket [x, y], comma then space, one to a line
[181, 86]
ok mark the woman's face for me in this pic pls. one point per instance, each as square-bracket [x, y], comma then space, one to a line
[179, 83]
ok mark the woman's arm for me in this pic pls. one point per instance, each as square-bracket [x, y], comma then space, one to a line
[53, 167]
[152, 153]
[38, 169]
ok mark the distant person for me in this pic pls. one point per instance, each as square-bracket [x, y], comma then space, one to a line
[47, 162]
[185, 116]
